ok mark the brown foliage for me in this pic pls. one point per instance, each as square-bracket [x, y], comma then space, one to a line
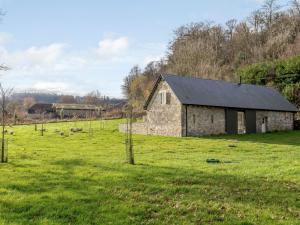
[28, 102]
[213, 51]
[69, 99]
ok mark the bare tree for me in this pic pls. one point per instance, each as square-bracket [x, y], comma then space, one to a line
[256, 20]
[128, 135]
[134, 73]
[214, 51]
[231, 24]
[5, 94]
[69, 99]
[295, 7]
[14, 108]
[270, 9]
[28, 102]
[92, 98]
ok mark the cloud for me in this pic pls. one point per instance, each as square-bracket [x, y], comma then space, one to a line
[109, 48]
[51, 86]
[58, 67]
[34, 56]
[5, 38]
[42, 60]
[151, 58]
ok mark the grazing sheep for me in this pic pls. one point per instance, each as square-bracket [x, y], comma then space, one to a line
[75, 129]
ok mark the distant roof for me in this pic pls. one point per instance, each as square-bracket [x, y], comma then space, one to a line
[40, 108]
[75, 106]
[196, 91]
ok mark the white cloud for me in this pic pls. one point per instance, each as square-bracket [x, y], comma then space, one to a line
[51, 86]
[109, 48]
[5, 38]
[41, 60]
[34, 56]
[70, 63]
[57, 67]
[151, 58]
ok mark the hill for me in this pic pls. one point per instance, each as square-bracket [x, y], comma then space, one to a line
[217, 51]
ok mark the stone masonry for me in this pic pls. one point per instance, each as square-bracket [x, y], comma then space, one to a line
[202, 120]
[277, 121]
[164, 119]
[173, 118]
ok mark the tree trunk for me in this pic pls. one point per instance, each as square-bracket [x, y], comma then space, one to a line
[3, 129]
[129, 142]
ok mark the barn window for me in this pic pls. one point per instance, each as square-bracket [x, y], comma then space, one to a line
[265, 120]
[212, 118]
[194, 119]
[164, 97]
[168, 98]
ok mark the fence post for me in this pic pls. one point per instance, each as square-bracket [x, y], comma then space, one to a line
[4, 151]
[128, 135]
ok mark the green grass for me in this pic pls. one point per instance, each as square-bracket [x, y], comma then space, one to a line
[83, 179]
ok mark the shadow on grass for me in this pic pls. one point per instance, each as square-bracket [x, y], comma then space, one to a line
[279, 138]
[146, 193]
[69, 163]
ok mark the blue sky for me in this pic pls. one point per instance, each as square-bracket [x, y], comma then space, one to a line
[76, 46]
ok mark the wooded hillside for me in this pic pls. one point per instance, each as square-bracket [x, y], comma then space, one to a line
[208, 50]
[284, 75]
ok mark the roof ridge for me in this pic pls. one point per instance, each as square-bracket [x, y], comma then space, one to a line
[197, 91]
[224, 81]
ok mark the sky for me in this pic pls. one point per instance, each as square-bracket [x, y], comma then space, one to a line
[77, 46]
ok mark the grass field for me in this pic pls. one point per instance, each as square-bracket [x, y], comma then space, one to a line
[83, 179]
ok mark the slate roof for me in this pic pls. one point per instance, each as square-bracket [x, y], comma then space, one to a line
[196, 91]
[45, 107]
[40, 108]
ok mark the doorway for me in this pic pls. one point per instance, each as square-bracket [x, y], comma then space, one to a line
[241, 122]
[264, 125]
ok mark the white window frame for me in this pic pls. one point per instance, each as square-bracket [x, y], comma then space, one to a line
[163, 97]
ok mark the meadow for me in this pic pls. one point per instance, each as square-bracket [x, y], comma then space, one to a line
[84, 179]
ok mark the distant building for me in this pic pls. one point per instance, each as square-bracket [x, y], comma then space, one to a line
[65, 110]
[40, 108]
[187, 106]
[76, 110]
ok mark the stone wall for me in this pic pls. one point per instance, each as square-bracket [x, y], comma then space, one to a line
[161, 119]
[137, 128]
[164, 119]
[76, 112]
[277, 121]
[204, 120]
[170, 119]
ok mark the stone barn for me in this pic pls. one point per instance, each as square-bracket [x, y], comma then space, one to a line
[76, 110]
[38, 110]
[187, 106]
[64, 110]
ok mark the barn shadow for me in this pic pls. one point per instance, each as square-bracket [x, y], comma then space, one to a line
[279, 138]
